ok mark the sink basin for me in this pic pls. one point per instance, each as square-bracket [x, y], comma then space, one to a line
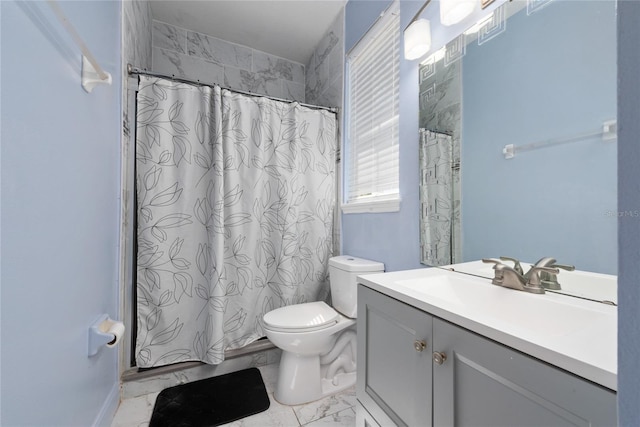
[536, 314]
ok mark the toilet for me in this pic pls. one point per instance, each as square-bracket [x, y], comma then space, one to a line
[318, 342]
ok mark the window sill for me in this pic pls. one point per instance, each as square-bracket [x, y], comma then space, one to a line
[381, 206]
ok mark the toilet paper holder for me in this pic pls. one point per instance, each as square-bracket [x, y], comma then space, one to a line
[102, 332]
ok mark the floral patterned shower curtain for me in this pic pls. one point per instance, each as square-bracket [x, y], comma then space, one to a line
[235, 200]
[436, 198]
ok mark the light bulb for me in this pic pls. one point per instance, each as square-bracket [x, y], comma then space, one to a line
[417, 39]
[454, 11]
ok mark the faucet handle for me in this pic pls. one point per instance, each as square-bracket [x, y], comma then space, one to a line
[545, 262]
[534, 284]
[542, 262]
[491, 261]
[564, 267]
[516, 263]
[550, 280]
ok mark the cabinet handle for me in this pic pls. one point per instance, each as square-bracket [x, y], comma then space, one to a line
[439, 357]
[420, 345]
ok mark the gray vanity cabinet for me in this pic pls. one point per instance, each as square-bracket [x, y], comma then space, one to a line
[471, 381]
[483, 383]
[394, 360]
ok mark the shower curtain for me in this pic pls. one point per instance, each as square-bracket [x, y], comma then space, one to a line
[235, 200]
[436, 197]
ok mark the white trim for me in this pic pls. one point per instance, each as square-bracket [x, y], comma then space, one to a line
[371, 170]
[379, 206]
[109, 408]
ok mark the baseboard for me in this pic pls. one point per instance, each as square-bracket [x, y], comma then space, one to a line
[109, 408]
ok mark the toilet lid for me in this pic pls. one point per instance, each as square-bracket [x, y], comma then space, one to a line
[311, 315]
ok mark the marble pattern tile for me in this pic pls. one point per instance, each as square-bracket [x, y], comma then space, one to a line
[260, 83]
[169, 37]
[449, 119]
[200, 57]
[327, 406]
[335, 61]
[293, 90]
[276, 67]
[137, 33]
[332, 39]
[160, 382]
[277, 415]
[344, 418]
[135, 412]
[136, 26]
[273, 356]
[219, 51]
[332, 95]
[337, 410]
[178, 64]
[446, 93]
[270, 376]
[326, 45]
[324, 72]
[322, 77]
[310, 73]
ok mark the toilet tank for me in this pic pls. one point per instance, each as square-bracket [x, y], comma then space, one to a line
[343, 271]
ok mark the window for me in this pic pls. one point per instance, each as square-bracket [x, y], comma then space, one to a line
[372, 117]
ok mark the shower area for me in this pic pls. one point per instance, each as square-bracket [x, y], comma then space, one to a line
[230, 172]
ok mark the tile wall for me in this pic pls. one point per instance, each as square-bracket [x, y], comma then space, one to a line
[326, 66]
[136, 50]
[188, 54]
[324, 86]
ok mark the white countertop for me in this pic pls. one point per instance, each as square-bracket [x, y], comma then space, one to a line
[577, 335]
[584, 284]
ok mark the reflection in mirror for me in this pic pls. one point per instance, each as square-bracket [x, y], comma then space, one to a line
[439, 197]
[543, 80]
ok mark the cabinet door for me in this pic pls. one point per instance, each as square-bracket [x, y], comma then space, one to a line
[363, 418]
[483, 383]
[394, 371]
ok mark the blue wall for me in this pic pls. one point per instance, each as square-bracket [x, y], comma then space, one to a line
[359, 15]
[60, 196]
[629, 226]
[559, 80]
[392, 238]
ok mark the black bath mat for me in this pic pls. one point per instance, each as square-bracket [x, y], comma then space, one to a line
[211, 402]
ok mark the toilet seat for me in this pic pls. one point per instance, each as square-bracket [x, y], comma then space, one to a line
[311, 316]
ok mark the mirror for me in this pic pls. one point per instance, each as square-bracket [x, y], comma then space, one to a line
[537, 80]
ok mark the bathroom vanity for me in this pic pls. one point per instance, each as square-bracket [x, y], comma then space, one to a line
[442, 348]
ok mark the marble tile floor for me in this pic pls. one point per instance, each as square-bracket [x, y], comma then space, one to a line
[336, 410]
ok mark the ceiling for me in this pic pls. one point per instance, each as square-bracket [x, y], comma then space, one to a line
[290, 29]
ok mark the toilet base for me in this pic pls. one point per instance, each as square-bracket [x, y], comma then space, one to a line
[300, 380]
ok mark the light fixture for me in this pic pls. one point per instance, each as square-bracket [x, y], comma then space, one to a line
[454, 11]
[417, 39]
[417, 36]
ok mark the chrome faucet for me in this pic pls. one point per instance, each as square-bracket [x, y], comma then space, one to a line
[516, 264]
[542, 262]
[548, 280]
[510, 277]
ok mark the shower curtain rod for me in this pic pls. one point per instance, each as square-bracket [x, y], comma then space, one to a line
[134, 70]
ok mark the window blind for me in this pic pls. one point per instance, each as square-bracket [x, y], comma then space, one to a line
[373, 103]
